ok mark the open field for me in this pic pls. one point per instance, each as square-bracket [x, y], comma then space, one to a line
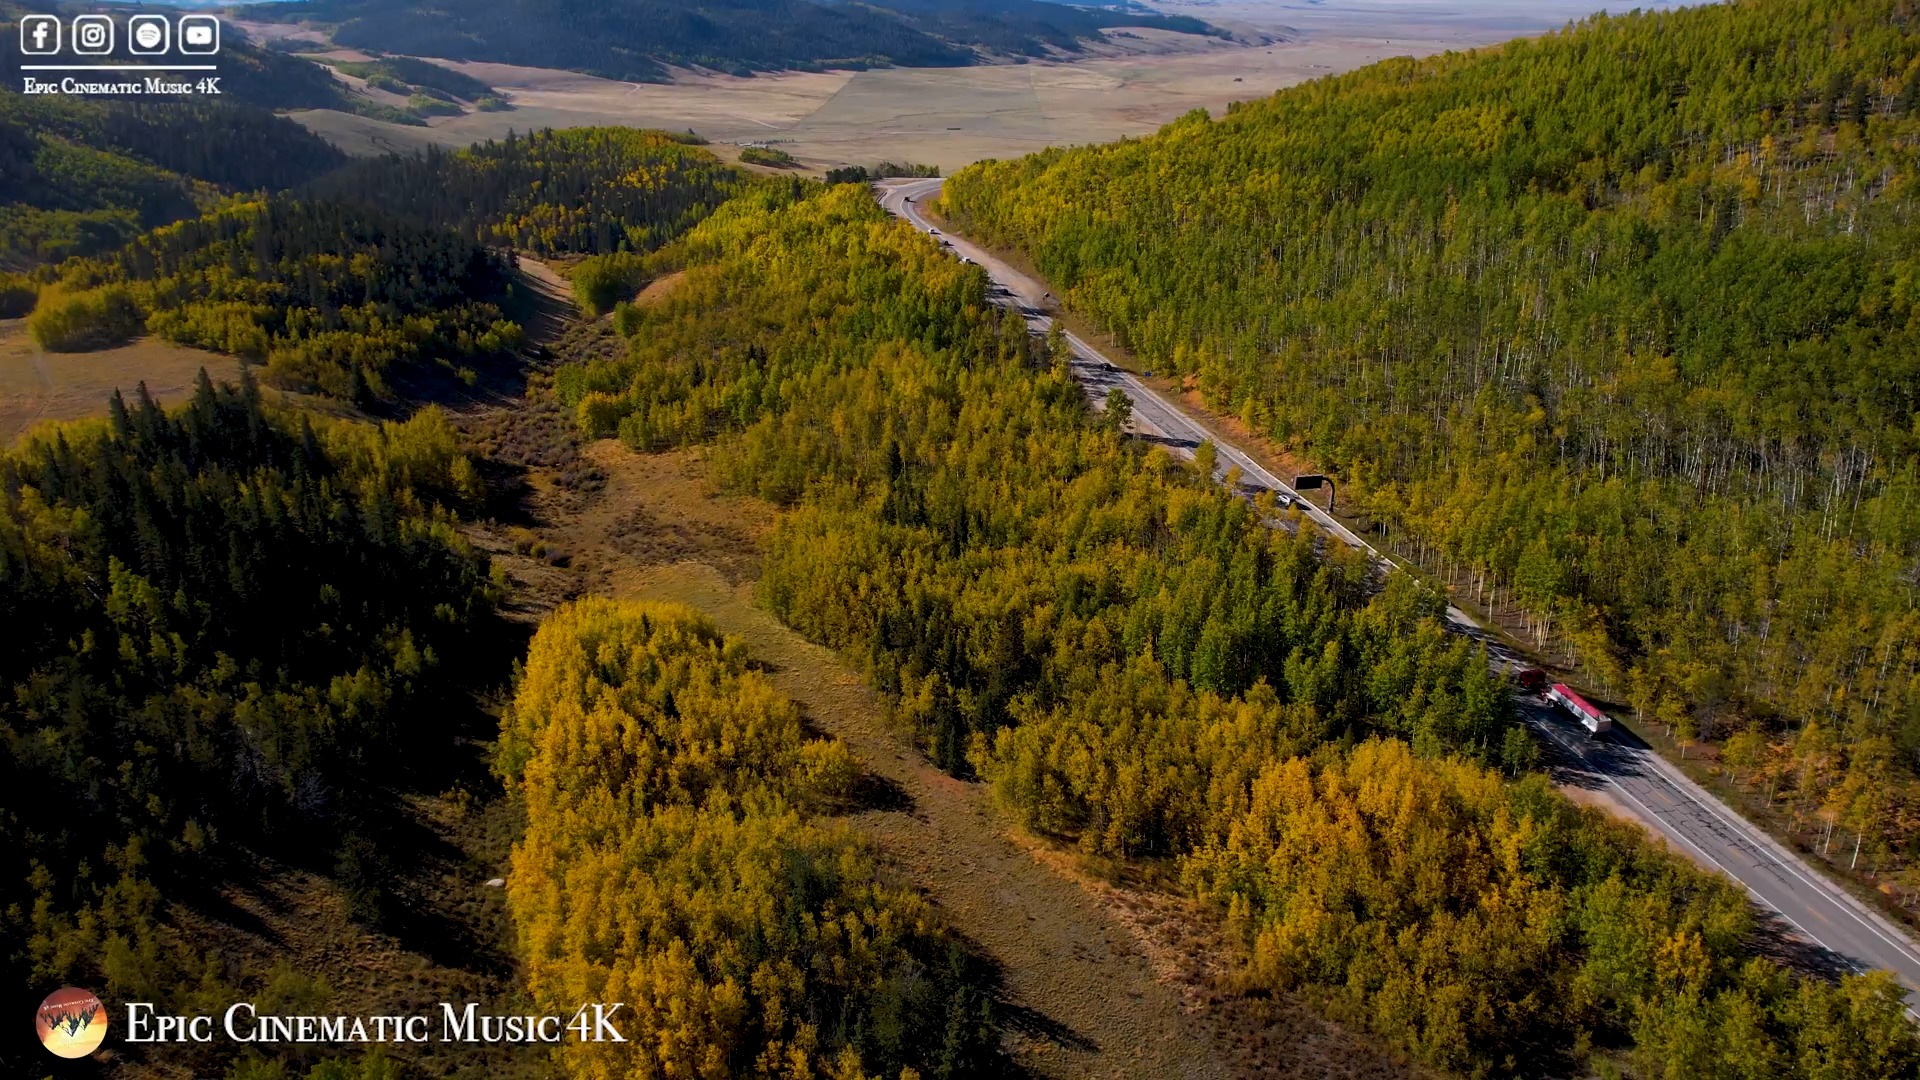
[36, 386]
[952, 116]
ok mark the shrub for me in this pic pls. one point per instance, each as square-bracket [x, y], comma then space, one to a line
[600, 281]
[17, 296]
[767, 155]
[84, 321]
[425, 105]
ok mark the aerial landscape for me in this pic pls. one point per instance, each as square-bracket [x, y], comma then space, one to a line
[961, 538]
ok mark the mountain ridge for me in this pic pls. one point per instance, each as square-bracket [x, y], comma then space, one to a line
[639, 40]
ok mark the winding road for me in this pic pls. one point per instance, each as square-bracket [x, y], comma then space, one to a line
[1690, 819]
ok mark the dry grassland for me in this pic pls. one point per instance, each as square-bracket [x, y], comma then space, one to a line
[944, 116]
[37, 386]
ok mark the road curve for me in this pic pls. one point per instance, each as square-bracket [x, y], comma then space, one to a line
[1664, 799]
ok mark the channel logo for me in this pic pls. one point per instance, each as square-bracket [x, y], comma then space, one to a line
[149, 35]
[71, 1023]
[39, 35]
[93, 35]
[199, 35]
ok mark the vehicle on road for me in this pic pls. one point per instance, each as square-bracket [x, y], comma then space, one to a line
[1532, 680]
[933, 232]
[1595, 721]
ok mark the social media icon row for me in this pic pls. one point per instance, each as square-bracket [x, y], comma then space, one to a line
[148, 35]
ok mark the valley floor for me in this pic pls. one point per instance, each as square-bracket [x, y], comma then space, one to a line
[947, 117]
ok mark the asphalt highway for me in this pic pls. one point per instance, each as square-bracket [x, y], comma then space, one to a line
[1665, 800]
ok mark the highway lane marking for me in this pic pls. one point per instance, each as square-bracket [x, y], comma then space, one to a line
[1581, 756]
[1741, 836]
[1764, 850]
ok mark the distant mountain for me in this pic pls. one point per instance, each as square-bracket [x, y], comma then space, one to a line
[1030, 27]
[637, 39]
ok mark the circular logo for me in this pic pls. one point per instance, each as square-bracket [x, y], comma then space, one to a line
[148, 35]
[71, 1023]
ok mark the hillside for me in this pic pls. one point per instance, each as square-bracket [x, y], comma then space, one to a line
[218, 725]
[80, 177]
[580, 192]
[83, 175]
[634, 40]
[1142, 669]
[379, 271]
[1617, 325]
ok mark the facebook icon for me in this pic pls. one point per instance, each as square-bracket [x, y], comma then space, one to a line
[39, 35]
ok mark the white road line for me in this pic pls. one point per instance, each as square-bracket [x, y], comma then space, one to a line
[1581, 756]
[1687, 840]
[1756, 840]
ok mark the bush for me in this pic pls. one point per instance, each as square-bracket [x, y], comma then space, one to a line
[17, 296]
[767, 155]
[601, 281]
[84, 321]
[626, 319]
[426, 105]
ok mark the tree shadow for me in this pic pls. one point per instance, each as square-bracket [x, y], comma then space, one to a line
[1779, 941]
[242, 869]
[987, 976]
[873, 793]
[421, 867]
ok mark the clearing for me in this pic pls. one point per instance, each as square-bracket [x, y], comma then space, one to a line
[37, 385]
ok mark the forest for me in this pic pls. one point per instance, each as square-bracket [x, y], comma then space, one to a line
[582, 191]
[251, 631]
[637, 41]
[676, 858]
[229, 622]
[246, 625]
[1614, 327]
[333, 298]
[387, 269]
[1145, 666]
[82, 177]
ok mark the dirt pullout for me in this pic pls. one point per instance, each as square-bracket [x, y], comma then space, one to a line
[1100, 979]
